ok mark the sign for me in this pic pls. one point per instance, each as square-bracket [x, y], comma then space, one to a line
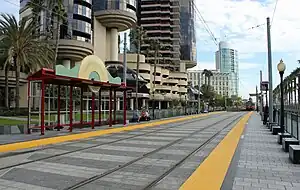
[253, 94]
[264, 85]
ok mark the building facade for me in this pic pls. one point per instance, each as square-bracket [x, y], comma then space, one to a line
[187, 32]
[219, 81]
[227, 62]
[161, 21]
[91, 28]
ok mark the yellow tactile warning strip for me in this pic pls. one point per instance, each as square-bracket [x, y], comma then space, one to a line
[60, 139]
[211, 173]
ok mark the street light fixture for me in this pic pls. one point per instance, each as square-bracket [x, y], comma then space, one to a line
[281, 69]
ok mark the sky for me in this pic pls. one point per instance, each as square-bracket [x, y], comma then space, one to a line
[235, 21]
[232, 21]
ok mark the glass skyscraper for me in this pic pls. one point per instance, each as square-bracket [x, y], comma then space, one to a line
[187, 30]
[227, 62]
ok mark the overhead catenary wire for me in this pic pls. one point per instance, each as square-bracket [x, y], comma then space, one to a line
[201, 18]
[274, 12]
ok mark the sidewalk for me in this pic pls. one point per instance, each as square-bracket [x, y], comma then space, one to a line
[260, 163]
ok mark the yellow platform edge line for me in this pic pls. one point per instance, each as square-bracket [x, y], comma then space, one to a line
[72, 137]
[211, 173]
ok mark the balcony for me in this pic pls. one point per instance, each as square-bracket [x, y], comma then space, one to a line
[182, 90]
[175, 96]
[178, 75]
[169, 81]
[182, 83]
[174, 88]
[146, 76]
[162, 87]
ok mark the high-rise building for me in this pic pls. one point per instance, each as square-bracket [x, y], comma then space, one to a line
[161, 21]
[75, 39]
[91, 27]
[227, 62]
[188, 37]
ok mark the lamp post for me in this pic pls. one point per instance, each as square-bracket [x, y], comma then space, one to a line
[281, 69]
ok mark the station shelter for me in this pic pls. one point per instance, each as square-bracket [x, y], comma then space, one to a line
[90, 77]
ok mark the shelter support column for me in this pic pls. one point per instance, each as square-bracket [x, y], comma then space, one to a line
[124, 107]
[71, 109]
[115, 106]
[93, 110]
[29, 106]
[81, 106]
[58, 108]
[100, 107]
[110, 107]
[43, 108]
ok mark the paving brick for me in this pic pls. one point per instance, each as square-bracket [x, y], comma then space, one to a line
[261, 159]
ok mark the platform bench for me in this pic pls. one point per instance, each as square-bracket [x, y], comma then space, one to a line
[281, 136]
[286, 142]
[275, 130]
[269, 125]
[294, 153]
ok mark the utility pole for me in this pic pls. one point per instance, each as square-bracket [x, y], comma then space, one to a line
[256, 99]
[261, 97]
[199, 92]
[139, 37]
[156, 44]
[271, 119]
[124, 80]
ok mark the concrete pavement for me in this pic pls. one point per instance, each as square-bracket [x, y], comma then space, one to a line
[261, 163]
[93, 158]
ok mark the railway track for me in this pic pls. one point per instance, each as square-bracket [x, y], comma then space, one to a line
[158, 179]
[175, 125]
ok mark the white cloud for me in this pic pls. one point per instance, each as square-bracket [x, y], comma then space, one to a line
[234, 18]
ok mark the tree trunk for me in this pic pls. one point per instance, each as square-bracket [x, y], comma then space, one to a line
[137, 80]
[6, 90]
[17, 98]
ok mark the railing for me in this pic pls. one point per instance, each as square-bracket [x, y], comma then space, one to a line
[291, 120]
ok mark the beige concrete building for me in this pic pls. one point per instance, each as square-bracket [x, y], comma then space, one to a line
[219, 81]
[161, 20]
[169, 86]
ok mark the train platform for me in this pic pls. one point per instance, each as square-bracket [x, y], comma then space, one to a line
[188, 153]
[260, 162]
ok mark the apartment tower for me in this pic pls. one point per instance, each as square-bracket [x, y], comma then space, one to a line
[161, 20]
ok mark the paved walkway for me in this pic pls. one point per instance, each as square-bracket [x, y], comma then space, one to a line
[260, 163]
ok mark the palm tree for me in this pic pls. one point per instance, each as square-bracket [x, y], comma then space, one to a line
[36, 8]
[207, 74]
[137, 37]
[61, 16]
[24, 50]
